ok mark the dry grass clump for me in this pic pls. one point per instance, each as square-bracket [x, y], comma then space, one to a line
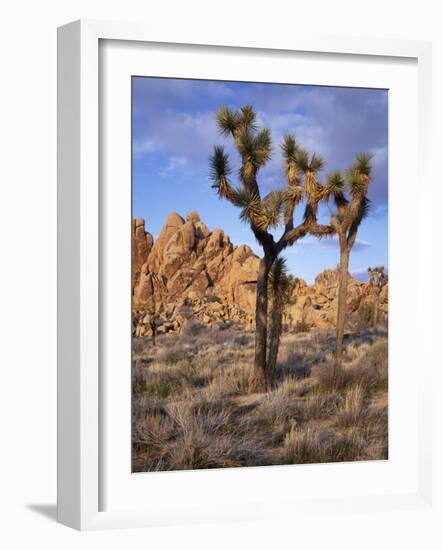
[351, 409]
[370, 367]
[293, 387]
[232, 380]
[310, 446]
[319, 405]
[376, 431]
[172, 353]
[366, 366]
[330, 377]
[160, 383]
[277, 407]
[199, 371]
[194, 435]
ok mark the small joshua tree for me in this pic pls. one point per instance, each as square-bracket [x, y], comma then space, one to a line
[153, 317]
[280, 293]
[378, 279]
[267, 213]
[346, 223]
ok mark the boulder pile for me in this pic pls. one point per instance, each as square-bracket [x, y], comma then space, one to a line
[189, 273]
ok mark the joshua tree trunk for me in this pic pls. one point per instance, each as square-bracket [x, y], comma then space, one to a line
[154, 332]
[274, 340]
[376, 308]
[260, 380]
[342, 299]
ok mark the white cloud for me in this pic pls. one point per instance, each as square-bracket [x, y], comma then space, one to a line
[175, 163]
[140, 148]
[380, 155]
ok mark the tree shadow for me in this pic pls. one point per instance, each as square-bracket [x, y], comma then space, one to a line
[48, 511]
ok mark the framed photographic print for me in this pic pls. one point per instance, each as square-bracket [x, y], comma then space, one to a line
[236, 249]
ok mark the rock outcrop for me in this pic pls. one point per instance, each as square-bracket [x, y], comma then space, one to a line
[142, 243]
[191, 272]
[316, 305]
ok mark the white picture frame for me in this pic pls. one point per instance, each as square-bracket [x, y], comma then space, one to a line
[80, 394]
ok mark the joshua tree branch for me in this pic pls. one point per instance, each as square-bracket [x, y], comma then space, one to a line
[289, 237]
[250, 182]
[352, 235]
[265, 239]
[320, 230]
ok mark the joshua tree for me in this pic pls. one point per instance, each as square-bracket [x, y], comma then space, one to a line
[153, 316]
[263, 214]
[346, 222]
[378, 279]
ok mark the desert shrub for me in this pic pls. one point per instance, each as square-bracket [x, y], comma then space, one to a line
[330, 377]
[138, 345]
[351, 408]
[192, 328]
[292, 387]
[347, 447]
[150, 435]
[162, 388]
[301, 326]
[198, 371]
[143, 406]
[225, 324]
[221, 335]
[319, 405]
[232, 380]
[172, 353]
[310, 445]
[187, 415]
[157, 380]
[365, 378]
[323, 338]
[292, 364]
[376, 432]
[198, 336]
[376, 358]
[242, 340]
[202, 440]
[278, 406]
[199, 450]
[142, 351]
[201, 405]
[138, 381]
[365, 311]
[369, 368]
[304, 446]
[355, 323]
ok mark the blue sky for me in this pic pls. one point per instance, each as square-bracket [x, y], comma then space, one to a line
[174, 133]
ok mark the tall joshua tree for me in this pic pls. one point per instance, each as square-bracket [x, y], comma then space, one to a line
[378, 279]
[264, 214]
[346, 222]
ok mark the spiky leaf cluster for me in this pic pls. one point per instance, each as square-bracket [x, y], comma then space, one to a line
[251, 207]
[273, 205]
[219, 172]
[254, 147]
[279, 282]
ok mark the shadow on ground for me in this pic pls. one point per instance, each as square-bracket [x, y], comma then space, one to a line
[48, 511]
